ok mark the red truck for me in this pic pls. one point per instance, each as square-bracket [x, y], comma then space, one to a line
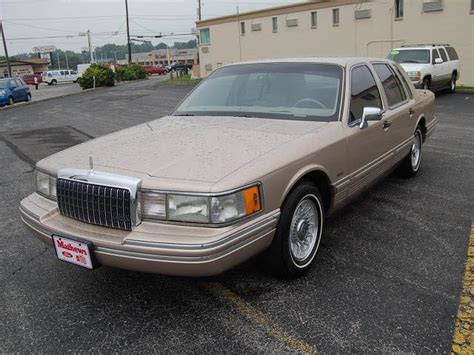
[153, 69]
[30, 79]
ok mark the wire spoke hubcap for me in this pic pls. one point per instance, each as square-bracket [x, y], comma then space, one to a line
[416, 151]
[304, 230]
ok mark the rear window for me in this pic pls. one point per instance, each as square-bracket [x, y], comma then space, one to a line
[452, 53]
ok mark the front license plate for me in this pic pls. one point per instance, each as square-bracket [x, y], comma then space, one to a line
[73, 251]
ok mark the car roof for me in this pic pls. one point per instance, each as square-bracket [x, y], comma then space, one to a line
[420, 46]
[342, 61]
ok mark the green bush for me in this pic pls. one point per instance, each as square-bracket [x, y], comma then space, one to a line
[104, 76]
[130, 72]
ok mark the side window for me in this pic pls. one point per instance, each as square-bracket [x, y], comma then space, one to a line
[452, 53]
[391, 84]
[444, 57]
[11, 84]
[404, 81]
[364, 92]
[62, 72]
[18, 83]
[435, 56]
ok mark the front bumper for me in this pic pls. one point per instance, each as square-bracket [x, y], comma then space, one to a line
[157, 247]
[3, 100]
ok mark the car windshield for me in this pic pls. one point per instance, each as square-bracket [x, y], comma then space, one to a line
[418, 56]
[302, 91]
[3, 84]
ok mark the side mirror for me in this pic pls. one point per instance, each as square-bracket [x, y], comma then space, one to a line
[370, 114]
[438, 61]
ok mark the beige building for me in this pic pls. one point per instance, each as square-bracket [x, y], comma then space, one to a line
[24, 67]
[339, 28]
[162, 56]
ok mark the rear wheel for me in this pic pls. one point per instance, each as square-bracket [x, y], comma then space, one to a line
[411, 163]
[298, 235]
[28, 98]
[452, 83]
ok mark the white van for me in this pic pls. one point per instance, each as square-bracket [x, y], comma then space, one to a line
[53, 77]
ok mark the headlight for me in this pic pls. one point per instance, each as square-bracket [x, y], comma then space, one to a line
[197, 208]
[3, 93]
[188, 208]
[45, 185]
[416, 75]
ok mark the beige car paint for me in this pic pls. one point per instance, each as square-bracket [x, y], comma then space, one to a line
[216, 154]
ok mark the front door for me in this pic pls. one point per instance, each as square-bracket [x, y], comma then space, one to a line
[367, 146]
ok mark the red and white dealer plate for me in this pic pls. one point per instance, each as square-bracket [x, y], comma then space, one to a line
[73, 251]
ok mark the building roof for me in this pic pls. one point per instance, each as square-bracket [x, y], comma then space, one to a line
[279, 10]
[34, 61]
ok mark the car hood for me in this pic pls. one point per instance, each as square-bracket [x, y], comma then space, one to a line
[194, 149]
[413, 66]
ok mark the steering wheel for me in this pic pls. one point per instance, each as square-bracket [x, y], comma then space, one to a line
[321, 105]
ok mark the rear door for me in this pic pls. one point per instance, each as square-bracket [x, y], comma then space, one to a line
[366, 146]
[445, 71]
[398, 106]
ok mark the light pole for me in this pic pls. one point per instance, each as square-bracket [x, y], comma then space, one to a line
[6, 50]
[129, 45]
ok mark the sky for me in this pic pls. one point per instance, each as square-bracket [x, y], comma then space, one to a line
[28, 23]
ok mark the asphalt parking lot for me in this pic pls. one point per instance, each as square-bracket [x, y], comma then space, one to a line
[387, 278]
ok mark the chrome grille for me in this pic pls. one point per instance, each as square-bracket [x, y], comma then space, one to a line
[95, 204]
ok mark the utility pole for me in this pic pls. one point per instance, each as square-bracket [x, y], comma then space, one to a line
[57, 56]
[90, 46]
[199, 10]
[67, 61]
[6, 50]
[129, 45]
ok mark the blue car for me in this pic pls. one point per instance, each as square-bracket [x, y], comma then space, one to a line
[13, 90]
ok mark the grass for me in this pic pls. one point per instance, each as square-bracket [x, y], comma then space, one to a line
[465, 88]
[185, 79]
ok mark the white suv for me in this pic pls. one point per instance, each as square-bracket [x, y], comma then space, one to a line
[53, 77]
[429, 66]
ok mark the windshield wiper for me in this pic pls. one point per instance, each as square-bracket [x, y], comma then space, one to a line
[184, 114]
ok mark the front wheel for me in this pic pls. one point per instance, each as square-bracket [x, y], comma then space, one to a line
[10, 100]
[411, 163]
[427, 84]
[298, 235]
[54, 82]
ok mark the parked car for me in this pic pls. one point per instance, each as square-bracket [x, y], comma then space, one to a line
[30, 79]
[13, 90]
[429, 66]
[154, 69]
[252, 161]
[179, 66]
[54, 77]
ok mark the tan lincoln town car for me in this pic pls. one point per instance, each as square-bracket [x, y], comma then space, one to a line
[251, 162]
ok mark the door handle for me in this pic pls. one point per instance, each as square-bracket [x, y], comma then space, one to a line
[386, 124]
[411, 111]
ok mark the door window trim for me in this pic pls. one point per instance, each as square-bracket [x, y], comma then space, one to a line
[356, 123]
[398, 104]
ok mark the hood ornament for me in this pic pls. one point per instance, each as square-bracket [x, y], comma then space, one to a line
[91, 165]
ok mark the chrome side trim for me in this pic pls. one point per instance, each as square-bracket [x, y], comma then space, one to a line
[258, 225]
[365, 170]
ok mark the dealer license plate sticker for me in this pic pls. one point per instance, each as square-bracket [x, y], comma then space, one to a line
[72, 251]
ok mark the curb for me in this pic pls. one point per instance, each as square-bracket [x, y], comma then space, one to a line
[463, 338]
